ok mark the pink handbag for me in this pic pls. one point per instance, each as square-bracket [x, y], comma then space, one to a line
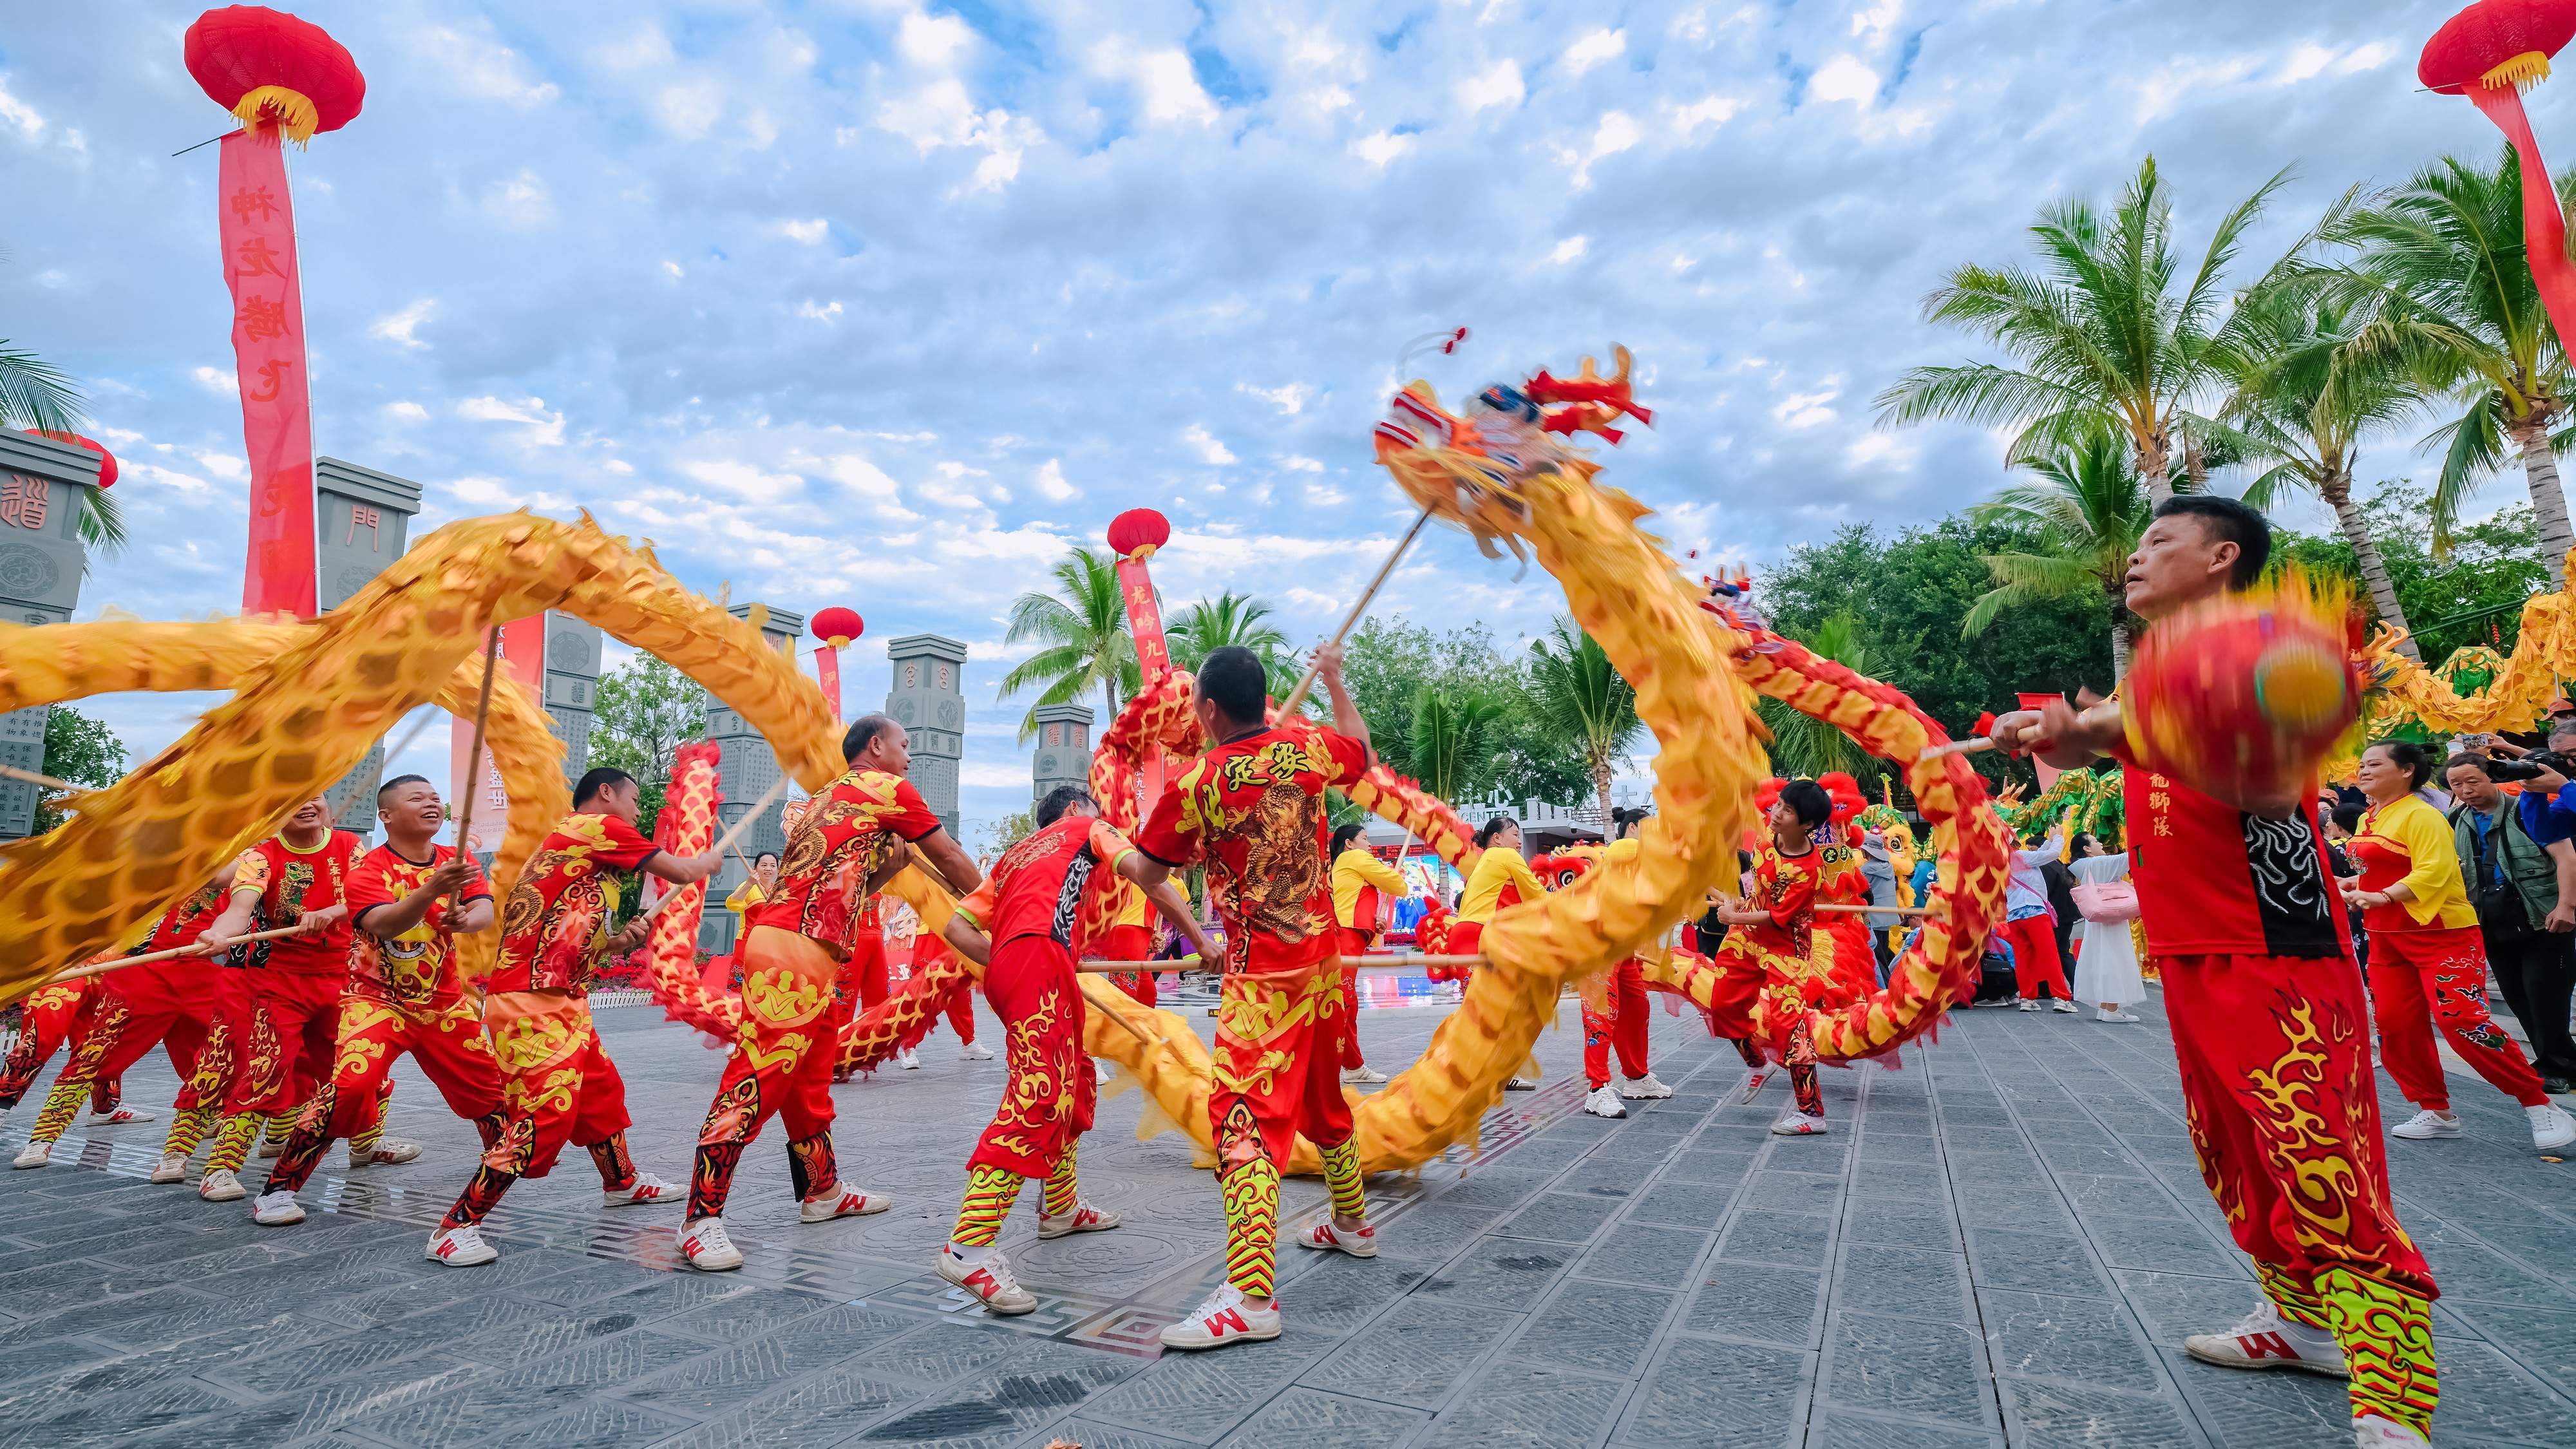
[2107, 902]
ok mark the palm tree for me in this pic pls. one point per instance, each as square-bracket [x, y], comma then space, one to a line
[2304, 399]
[1231, 618]
[2097, 328]
[2442, 259]
[1450, 739]
[2084, 511]
[1801, 744]
[1084, 627]
[1577, 693]
[38, 397]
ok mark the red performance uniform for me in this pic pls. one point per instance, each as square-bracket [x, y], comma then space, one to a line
[1129, 936]
[403, 996]
[793, 959]
[2268, 1026]
[1253, 808]
[47, 1018]
[1841, 883]
[169, 1002]
[1786, 960]
[1614, 1007]
[295, 983]
[2428, 961]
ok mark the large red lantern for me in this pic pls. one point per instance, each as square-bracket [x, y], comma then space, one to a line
[106, 459]
[261, 63]
[1137, 532]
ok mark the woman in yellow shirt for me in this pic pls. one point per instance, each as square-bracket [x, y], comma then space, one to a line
[759, 886]
[2428, 963]
[1501, 879]
[1363, 885]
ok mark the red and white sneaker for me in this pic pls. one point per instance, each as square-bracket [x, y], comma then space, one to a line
[1328, 1238]
[119, 1116]
[2369, 1431]
[1753, 1081]
[2266, 1340]
[704, 1244]
[1798, 1124]
[987, 1275]
[646, 1189]
[1083, 1219]
[1226, 1317]
[846, 1204]
[461, 1247]
[388, 1152]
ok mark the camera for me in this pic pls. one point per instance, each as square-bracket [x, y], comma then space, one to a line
[2530, 766]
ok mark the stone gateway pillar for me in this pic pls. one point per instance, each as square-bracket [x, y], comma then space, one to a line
[44, 487]
[1064, 749]
[929, 700]
[745, 769]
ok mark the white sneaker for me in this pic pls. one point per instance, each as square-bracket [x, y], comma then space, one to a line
[974, 1051]
[388, 1152]
[271, 1147]
[2031, 1004]
[2551, 1127]
[461, 1247]
[119, 1116]
[1798, 1124]
[2266, 1340]
[220, 1186]
[2426, 1125]
[704, 1244]
[1645, 1087]
[1753, 1081]
[2062, 1004]
[987, 1275]
[1363, 1075]
[1604, 1102]
[647, 1189]
[1519, 1084]
[1226, 1317]
[1325, 1237]
[2369, 1431]
[1083, 1219]
[173, 1168]
[34, 1154]
[277, 1209]
[908, 1059]
[1102, 1071]
[2116, 1017]
[847, 1204]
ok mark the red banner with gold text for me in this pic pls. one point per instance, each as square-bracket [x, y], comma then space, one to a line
[258, 227]
[1145, 623]
[827, 670]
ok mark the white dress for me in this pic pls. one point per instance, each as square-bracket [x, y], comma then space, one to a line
[2107, 967]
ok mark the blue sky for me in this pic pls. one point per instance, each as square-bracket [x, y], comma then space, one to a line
[886, 303]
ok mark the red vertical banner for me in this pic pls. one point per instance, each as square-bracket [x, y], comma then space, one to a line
[827, 671]
[257, 220]
[2048, 773]
[523, 658]
[1145, 622]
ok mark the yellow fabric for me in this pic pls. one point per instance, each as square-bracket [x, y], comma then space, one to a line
[1498, 867]
[1355, 870]
[1133, 908]
[2433, 864]
[745, 896]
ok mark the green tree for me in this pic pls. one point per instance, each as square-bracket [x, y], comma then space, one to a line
[2082, 515]
[1000, 835]
[1451, 740]
[1084, 629]
[2305, 397]
[1388, 659]
[81, 750]
[2097, 330]
[2473, 594]
[1231, 618]
[2441, 260]
[1579, 696]
[646, 710]
[1803, 745]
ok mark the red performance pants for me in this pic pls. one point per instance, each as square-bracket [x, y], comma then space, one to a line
[2277, 1088]
[2035, 959]
[1624, 1027]
[2448, 966]
[1048, 1104]
[47, 1018]
[557, 1085]
[781, 1065]
[1275, 1077]
[445, 1038]
[133, 1011]
[294, 1030]
[867, 971]
[1355, 944]
[1121, 943]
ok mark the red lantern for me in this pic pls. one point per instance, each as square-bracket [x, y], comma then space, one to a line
[106, 459]
[2496, 43]
[261, 63]
[1137, 532]
[2243, 698]
[838, 626]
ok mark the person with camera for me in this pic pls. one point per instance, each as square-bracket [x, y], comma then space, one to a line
[2525, 895]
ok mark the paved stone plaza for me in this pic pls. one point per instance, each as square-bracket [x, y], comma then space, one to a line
[2001, 1244]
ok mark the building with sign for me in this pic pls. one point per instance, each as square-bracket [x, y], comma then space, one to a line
[1064, 749]
[929, 700]
[746, 768]
[44, 488]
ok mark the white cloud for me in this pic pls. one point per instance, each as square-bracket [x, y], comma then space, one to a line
[1844, 78]
[811, 232]
[1615, 132]
[216, 379]
[397, 327]
[741, 479]
[689, 109]
[942, 114]
[1162, 78]
[1570, 249]
[18, 113]
[406, 412]
[933, 41]
[647, 47]
[2366, 57]
[1206, 445]
[809, 311]
[1808, 409]
[1498, 84]
[1594, 49]
[852, 471]
[230, 466]
[1301, 464]
[1289, 398]
[522, 201]
[545, 429]
[483, 68]
[1709, 111]
[1879, 18]
[1051, 482]
[1381, 147]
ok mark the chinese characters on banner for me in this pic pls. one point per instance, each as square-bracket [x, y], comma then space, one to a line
[827, 669]
[258, 228]
[1145, 622]
[523, 658]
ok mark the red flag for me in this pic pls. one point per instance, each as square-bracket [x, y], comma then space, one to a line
[1145, 624]
[827, 669]
[257, 222]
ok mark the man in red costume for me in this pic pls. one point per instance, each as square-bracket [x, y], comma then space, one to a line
[842, 849]
[1253, 808]
[557, 1083]
[1614, 1006]
[2271, 1029]
[1021, 922]
[1774, 951]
